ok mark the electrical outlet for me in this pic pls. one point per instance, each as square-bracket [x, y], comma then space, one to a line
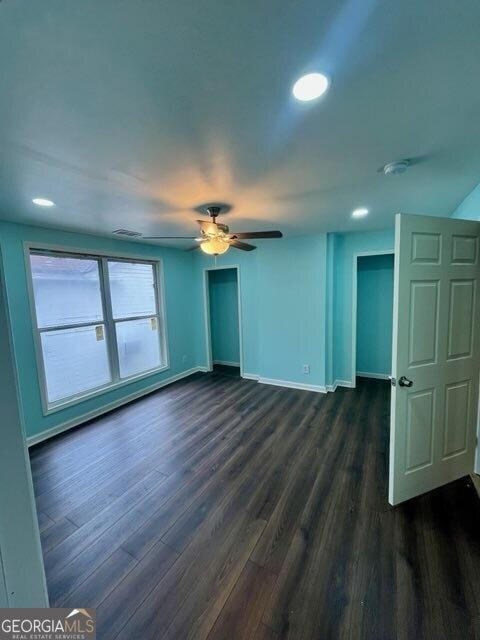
[306, 369]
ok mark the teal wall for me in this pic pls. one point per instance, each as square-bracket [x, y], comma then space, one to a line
[469, 209]
[375, 314]
[344, 247]
[283, 306]
[181, 308]
[224, 332]
[291, 300]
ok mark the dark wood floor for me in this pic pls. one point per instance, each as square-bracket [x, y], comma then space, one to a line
[221, 508]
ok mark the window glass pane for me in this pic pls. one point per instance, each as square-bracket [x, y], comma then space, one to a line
[66, 290]
[76, 360]
[138, 346]
[132, 289]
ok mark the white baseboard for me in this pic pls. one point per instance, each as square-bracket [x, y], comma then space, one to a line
[340, 383]
[251, 376]
[345, 383]
[285, 383]
[293, 385]
[74, 422]
[376, 376]
[227, 363]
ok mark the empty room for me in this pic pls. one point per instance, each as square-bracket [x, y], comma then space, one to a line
[239, 320]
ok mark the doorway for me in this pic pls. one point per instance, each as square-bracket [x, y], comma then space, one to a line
[223, 319]
[372, 354]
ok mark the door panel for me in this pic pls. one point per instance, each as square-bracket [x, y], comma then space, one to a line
[423, 322]
[420, 416]
[460, 326]
[426, 248]
[464, 249]
[435, 345]
[457, 403]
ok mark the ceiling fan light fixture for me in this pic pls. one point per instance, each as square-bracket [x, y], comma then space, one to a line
[214, 246]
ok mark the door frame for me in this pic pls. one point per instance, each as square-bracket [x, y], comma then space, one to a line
[206, 309]
[356, 255]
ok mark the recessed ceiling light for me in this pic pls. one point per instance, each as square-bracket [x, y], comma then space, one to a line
[310, 87]
[43, 202]
[360, 213]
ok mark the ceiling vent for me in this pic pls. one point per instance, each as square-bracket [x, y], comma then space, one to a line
[127, 232]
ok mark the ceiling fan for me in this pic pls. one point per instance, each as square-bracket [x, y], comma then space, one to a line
[216, 238]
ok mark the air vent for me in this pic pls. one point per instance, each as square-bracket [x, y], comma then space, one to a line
[127, 232]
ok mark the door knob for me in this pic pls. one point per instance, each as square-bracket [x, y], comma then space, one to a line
[405, 382]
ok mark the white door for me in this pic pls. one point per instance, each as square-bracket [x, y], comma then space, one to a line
[436, 348]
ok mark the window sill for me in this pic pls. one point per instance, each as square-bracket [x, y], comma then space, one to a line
[70, 402]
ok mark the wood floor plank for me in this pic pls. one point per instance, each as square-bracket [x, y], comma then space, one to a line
[264, 633]
[188, 600]
[231, 481]
[233, 455]
[218, 507]
[56, 533]
[242, 613]
[44, 521]
[93, 591]
[161, 422]
[118, 607]
[310, 591]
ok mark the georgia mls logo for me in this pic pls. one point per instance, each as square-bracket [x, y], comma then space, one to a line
[47, 624]
[74, 612]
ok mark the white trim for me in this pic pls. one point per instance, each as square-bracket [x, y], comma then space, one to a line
[227, 363]
[206, 314]
[340, 383]
[102, 259]
[329, 306]
[356, 255]
[376, 376]
[98, 391]
[251, 376]
[74, 422]
[125, 255]
[293, 385]
[344, 383]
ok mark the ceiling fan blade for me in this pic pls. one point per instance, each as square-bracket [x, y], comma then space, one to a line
[241, 245]
[258, 234]
[169, 237]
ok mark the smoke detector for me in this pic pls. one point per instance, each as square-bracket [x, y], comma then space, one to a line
[396, 168]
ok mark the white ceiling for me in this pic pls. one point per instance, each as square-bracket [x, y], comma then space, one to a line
[130, 113]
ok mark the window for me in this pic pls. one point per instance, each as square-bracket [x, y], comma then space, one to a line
[99, 322]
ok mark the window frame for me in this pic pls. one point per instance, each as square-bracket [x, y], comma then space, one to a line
[108, 321]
